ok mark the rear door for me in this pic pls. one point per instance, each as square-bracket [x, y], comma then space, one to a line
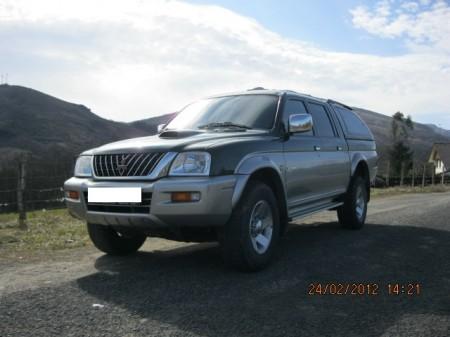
[334, 168]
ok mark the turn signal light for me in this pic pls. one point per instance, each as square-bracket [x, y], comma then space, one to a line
[72, 195]
[185, 196]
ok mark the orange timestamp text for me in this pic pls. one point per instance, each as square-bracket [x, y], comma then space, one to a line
[364, 289]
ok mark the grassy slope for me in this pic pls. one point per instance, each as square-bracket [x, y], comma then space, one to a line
[47, 231]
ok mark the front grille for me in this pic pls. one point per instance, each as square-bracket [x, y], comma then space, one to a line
[126, 165]
[121, 207]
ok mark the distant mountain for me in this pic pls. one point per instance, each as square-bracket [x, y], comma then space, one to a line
[439, 130]
[33, 121]
[150, 125]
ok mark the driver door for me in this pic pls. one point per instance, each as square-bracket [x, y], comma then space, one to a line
[303, 162]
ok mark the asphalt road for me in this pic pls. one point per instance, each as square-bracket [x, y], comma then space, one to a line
[173, 289]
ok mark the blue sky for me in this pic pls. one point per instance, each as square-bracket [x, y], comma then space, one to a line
[134, 59]
[326, 24]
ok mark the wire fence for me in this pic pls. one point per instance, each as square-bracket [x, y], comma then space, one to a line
[415, 175]
[29, 182]
[417, 181]
[33, 199]
[38, 191]
[32, 185]
[50, 197]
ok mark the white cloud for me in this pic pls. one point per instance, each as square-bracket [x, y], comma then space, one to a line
[133, 59]
[410, 6]
[424, 24]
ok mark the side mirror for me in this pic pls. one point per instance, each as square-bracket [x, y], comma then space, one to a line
[161, 127]
[300, 123]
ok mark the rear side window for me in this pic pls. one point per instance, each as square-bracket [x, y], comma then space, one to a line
[354, 126]
[321, 120]
[294, 107]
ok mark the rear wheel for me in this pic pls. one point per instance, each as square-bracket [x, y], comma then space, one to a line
[352, 214]
[249, 238]
[109, 241]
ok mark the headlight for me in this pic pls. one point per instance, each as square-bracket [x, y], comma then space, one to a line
[83, 166]
[191, 164]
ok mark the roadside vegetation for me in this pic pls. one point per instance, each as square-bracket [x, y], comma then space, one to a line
[48, 230]
[384, 192]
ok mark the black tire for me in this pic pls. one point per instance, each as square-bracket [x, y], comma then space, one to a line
[106, 239]
[352, 214]
[239, 239]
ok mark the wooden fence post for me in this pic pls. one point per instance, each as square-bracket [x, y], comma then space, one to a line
[402, 173]
[20, 193]
[432, 174]
[423, 175]
[388, 173]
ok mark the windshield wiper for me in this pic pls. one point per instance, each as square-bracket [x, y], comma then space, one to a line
[224, 125]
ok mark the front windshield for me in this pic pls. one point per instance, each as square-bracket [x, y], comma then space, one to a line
[251, 111]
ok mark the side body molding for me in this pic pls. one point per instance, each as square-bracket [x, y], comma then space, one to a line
[252, 163]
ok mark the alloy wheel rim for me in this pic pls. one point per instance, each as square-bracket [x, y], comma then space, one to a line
[360, 203]
[261, 226]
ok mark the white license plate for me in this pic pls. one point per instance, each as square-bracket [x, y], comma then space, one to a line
[114, 194]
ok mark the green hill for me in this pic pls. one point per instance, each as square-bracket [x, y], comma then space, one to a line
[36, 122]
[33, 121]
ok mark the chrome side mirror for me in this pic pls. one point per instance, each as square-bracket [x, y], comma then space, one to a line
[300, 123]
[161, 127]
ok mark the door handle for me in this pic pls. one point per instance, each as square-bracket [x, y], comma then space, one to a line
[316, 148]
[339, 148]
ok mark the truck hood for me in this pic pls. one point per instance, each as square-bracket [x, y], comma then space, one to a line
[176, 141]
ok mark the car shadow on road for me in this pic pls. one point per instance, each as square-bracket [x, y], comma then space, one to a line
[190, 289]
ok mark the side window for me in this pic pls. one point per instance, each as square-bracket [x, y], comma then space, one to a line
[321, 120]
[353, 124]
[294, 107]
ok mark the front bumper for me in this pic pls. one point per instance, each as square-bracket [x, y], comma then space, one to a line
[218, 194]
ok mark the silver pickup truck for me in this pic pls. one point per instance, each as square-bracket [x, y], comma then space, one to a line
[233, 168]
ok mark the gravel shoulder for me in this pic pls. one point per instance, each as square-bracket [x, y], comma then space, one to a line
[176, 289]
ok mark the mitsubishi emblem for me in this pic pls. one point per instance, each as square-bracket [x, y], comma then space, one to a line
[122, 167]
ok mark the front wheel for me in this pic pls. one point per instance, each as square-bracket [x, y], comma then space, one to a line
[249, 238]
[111, 242]
[352, 214]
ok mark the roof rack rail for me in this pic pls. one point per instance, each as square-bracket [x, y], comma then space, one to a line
[298, 93]
[339, 103]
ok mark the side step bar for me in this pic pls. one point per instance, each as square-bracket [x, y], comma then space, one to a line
[304, 212]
